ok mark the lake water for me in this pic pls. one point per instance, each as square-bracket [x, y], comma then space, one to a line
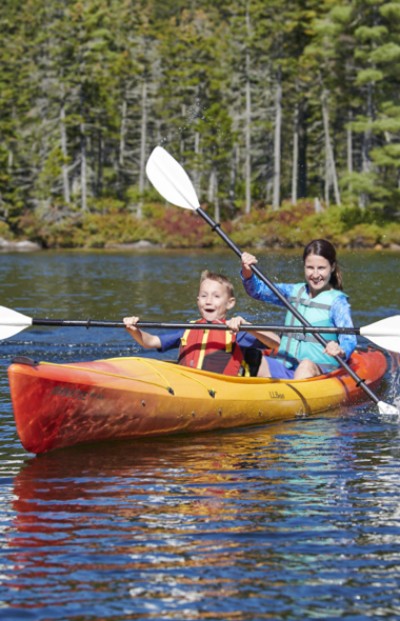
[289, 521]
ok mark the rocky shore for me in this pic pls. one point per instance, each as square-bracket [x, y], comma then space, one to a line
[18, 246]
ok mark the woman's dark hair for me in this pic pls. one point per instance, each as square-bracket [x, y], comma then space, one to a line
[324, 248]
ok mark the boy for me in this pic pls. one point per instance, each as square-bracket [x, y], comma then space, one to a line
[219, 351]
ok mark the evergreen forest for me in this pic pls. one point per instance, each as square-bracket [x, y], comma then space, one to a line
[285, 114]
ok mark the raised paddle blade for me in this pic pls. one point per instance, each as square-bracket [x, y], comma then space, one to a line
[384, 333]
[12, 322]
[171, 180]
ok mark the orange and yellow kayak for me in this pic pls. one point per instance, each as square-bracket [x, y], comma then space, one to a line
[59, 405]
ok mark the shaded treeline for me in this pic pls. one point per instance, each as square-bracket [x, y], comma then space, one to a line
[263, 101]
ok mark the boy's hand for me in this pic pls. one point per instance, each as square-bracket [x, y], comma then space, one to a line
[235, 323]
[130, 323]
[247, 260]
[145, 339]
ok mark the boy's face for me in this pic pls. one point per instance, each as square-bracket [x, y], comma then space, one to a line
[213, 300]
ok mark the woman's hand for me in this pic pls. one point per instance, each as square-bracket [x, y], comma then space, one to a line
[248, 260]
[333, 349]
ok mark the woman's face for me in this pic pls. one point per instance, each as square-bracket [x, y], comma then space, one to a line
[317, 272]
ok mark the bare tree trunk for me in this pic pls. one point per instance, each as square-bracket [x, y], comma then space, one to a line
[83, 169]
[196, 172]
[213, 192]
[302, 137]
[366, 160]
[210, 193]
[122, 133]
[276, 199]
[248, 145]
[10, 160]
[217, 214]
[99, 175]
[248, 122]
[327, 178]
[233, 175]
[366, 147]
[295, 168]
[349, 145]
[331, 176]
[143, 139]
[64, 151]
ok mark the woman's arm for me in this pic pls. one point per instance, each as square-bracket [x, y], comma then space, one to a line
[256, 289]
[341, 317]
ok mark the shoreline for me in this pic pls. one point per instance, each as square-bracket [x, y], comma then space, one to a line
[26, 245]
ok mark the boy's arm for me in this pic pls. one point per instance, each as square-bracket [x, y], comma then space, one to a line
[145, 339]
[270, 339]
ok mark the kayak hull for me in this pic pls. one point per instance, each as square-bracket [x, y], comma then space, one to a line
[59, 405]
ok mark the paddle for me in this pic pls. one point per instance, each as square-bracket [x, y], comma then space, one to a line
[384, 333]
[172, 182]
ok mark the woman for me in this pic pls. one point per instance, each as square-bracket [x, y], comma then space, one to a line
[321, 301]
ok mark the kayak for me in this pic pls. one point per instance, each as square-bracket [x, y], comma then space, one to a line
[60, 405]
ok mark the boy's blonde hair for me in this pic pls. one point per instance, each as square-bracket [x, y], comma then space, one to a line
[223, 280]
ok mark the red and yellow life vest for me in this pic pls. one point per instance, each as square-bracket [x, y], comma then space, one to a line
[212, 350]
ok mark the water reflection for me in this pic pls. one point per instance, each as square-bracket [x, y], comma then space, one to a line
[274, 516]
[251, 509]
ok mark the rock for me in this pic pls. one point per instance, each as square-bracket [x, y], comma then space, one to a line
[141, 244]
[19, 246]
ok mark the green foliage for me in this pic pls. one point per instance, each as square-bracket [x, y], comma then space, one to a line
[367, 184]
[134, 196]
[390, 235]
[100, 231]
[368, 34]
[289, 227]
[386, 53]
[5, 232]
[88, 88]
[292, 227]
[364, 235]
[369, 75]
[90, 231]
[391, 11]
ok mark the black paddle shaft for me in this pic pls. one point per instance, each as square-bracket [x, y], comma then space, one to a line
[217, 228]
[174, 325]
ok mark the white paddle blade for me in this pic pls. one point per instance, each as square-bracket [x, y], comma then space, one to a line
[12, 322]
[387, 408]
[384, 333]
[171, 180]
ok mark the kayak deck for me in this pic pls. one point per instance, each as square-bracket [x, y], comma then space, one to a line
[58, 405]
